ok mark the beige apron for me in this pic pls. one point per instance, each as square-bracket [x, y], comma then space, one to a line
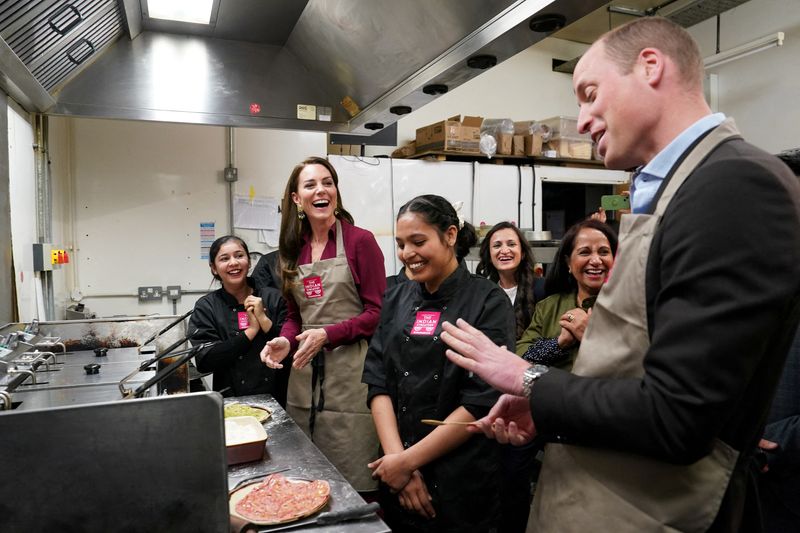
[342, 424]
[587, 489]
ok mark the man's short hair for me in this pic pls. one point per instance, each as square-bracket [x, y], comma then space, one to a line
[623, 44]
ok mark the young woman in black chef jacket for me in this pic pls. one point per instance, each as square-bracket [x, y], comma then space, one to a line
[242, 318]
[434, 478]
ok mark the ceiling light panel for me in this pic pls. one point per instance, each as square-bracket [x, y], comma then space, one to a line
[192, 11]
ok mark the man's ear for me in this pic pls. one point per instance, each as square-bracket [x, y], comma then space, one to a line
[652, 62]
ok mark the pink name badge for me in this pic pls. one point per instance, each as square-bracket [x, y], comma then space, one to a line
[244, 322]
[313, 287]
[425, 323]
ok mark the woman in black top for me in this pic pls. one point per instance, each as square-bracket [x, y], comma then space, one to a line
[241, 318]
[442, 478]
[507, 259]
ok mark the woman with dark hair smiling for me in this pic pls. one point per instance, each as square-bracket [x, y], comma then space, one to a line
[581, 266]
[507, 259]
[333, 279]
[434, 478]
[242, 319]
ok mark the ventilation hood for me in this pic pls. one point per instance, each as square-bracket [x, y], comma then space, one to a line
[346, 63]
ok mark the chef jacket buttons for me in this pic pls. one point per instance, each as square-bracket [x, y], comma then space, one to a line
[436, 376]
[405, 373]
[403, 409]
[435, 337]
[241, 357]
[406, 339]
[242, 382]
[416, 308]
[444, 308]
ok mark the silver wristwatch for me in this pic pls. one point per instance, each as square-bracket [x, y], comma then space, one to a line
[532, 373]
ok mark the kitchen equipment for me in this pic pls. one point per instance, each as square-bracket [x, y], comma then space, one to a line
[100, 352]
[333, 517]
[91, 368]
[116, 466]
[244, 439]
[432, 422]
[256, 478]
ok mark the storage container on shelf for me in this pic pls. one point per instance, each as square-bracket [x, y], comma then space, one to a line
[565, 141]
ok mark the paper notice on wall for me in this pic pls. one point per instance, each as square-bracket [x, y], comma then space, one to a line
[208, 234]
[269, 237]
[258, 212]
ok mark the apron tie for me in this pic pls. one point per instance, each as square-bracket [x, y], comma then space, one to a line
[317, 375]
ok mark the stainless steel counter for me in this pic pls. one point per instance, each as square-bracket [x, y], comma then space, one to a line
[68, 384]
[48, 398]
[288, 446]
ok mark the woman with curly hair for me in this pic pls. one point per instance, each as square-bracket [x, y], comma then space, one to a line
[507, 259]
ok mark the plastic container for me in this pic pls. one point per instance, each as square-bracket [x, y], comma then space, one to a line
[496, 136]
[244, 439]
[565, 141]
[562, 127]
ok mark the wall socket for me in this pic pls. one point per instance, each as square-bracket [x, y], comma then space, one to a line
[150, 293]
[174, 292]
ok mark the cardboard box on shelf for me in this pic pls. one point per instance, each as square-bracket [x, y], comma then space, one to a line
[453, 135]
[518, 145]
[344, 149]
[504, 143]
[571, 148]
[406, 150]
[533, 144]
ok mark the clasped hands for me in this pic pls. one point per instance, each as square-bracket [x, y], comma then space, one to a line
[573, 325]
[407, 483]
[311, 342]
[256, 315]
[510, 419]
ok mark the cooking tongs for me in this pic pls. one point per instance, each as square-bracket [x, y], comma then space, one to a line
[183, 356]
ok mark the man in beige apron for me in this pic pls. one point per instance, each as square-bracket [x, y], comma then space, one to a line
[326, 398]
[679, 358]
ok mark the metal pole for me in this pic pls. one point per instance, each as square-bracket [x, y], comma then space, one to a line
[231, 174]
[44, 207]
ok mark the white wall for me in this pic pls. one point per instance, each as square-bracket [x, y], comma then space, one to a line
[62, 215]
[760, 91]
[22, 196]
[137, 193]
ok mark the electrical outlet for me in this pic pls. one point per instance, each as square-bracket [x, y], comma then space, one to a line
[174, 292]
[150, 293]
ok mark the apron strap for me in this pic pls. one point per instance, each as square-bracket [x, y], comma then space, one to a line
[317, 375]
[339, 240]
[726, 130]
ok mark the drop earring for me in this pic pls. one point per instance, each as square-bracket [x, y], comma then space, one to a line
[300, 214]
[336, 212]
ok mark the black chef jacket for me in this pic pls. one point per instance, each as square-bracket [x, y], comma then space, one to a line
[235, 360]
[407, 361]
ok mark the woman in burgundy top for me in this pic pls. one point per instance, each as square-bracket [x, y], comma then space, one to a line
[333, 280]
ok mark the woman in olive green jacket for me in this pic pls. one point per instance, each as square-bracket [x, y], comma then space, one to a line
[583, 262]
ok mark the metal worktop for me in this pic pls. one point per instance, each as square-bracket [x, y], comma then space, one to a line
[25, 399]
[288, 446]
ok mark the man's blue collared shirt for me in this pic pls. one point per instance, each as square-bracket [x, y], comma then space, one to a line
[646, 185]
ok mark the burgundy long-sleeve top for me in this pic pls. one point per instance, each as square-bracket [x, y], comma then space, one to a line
[365, 259]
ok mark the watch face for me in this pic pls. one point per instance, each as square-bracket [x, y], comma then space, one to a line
[539, 369]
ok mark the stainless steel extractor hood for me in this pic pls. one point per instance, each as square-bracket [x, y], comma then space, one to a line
[346, 63]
